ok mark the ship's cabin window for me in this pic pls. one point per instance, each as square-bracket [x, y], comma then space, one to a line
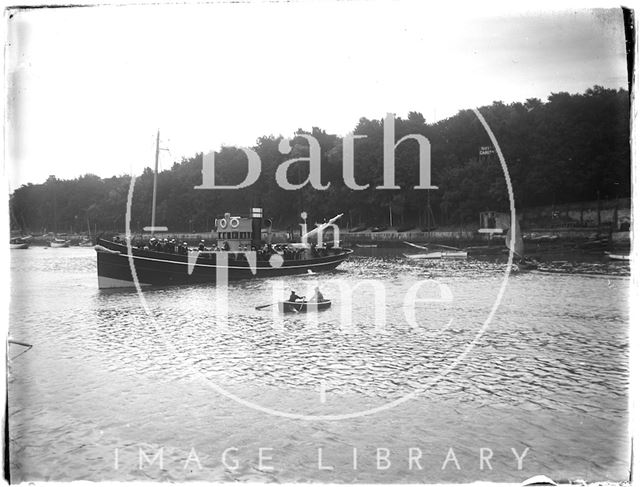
[235, 235]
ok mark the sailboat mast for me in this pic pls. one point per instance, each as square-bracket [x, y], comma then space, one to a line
[155, 185]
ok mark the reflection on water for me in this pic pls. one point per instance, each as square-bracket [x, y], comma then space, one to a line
[550, 373]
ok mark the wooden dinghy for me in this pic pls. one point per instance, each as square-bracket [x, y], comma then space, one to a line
[618, 256]
[446, 253]
[439, 255]
[303, 306]
[58, 243]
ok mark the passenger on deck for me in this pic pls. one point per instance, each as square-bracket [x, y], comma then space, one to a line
[201, 246]
[225, 246]
[293, 297]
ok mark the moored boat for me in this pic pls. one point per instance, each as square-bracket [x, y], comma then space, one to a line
[618, 256]
[446, 253]
[19, 243]
[303, 306]
[439, 255]
[57, 243]
[367, 246]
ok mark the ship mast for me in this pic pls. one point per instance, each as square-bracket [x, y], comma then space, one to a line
[155, 186]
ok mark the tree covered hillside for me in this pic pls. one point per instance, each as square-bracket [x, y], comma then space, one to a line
[572, 147]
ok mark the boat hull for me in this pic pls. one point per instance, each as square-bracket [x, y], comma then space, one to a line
[626, 258]
[303, 306]
[437, 255]
[59, 245]
[19, 245]
[165, 269]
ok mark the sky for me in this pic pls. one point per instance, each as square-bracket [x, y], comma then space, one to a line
[87, 88]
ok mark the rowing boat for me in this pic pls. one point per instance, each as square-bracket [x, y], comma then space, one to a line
[58, 243]
[438, 255]
[446, 253]
[303, 306]
[618, 256]
[20, 242]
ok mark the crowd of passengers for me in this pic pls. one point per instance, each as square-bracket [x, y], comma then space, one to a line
[264, 252]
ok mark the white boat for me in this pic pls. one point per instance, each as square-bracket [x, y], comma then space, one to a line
[618, 256]
[23, 245]
[448, 253]
[367, 246]
[19, 243]
[445, 254]
[57, 243]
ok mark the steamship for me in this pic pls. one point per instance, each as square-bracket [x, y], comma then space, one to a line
[240, 253]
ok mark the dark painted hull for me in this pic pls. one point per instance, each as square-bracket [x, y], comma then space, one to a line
[164, 269]
[302, 307]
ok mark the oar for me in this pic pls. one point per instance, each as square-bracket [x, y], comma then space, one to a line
[262, 306]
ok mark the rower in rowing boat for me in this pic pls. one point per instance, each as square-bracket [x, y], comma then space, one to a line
[293, 297]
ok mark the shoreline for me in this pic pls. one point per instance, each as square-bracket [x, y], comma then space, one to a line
[559, 238]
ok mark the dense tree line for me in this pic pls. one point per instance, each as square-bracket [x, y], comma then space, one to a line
[573, 147]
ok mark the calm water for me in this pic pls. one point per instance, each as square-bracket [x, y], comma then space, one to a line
[111, 375]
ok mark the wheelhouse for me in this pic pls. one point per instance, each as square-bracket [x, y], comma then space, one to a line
[239, 232]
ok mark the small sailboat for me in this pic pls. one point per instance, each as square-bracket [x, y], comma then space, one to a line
[519, 259]
[86, 241]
